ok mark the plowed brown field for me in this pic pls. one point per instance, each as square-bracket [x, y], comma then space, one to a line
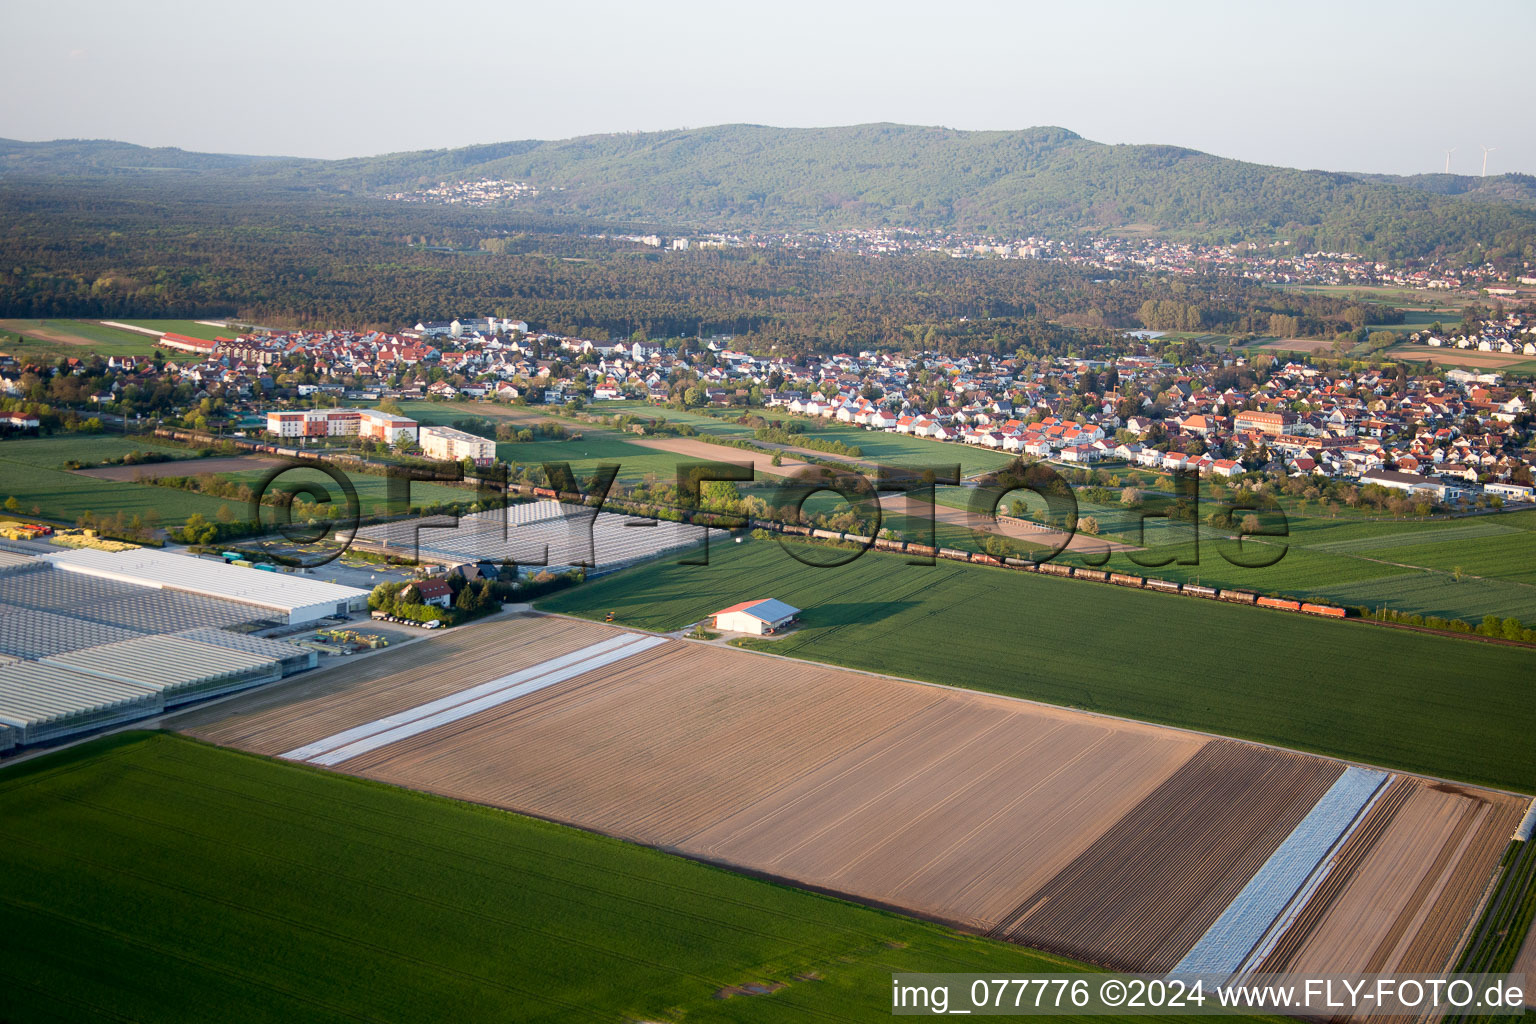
[1112, 841]
[1406, 885]
[1141, 896]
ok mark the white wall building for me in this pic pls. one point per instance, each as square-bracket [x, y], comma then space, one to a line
[449, 445]
[758, 617]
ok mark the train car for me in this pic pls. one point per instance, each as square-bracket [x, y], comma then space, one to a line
[1279, 604]
[1125, 580]
[955, 553]
[827, 534]
[544, 492]
[925, 550]
[1027, 564]
[982, 559]
[888, 545]
[1055, 570]
[1096, 575]
[854, 538]
[1196, 590]
[1238, 596]
[1166, 586]
[799, 531]
[1326, 610]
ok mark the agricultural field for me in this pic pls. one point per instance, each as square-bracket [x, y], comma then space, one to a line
[189, 328]
[48, 340]
[368, 902]
[1458, 568]
[593, 448]
[999, 816]
[1456, 708]
[877, 445]
[1472, 359]
[31, 471]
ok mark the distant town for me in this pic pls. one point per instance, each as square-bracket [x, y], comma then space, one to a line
[1451, 437]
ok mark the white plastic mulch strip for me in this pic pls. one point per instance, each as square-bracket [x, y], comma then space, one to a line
[371, 735]
[1225, 946]
[1527, 824]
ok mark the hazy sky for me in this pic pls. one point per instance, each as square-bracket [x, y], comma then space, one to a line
[1339, 85]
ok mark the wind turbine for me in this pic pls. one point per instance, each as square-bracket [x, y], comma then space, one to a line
[1448, 159]
[1486, 151]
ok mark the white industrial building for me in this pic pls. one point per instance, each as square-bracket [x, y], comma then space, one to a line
[286, 597]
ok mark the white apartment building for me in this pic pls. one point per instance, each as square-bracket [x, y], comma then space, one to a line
[450, 445]
[314, 423]
[387, 427]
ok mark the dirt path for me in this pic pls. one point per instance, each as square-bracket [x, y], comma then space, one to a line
[181, 467]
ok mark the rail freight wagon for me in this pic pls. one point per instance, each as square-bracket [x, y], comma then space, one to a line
[982, 559]
[1327, 610]
[1096, 575]
[1166, 586]
[1028, 565]
[854, 538]
[1056, 570]
[1279, 603]
[1238, 596]
[888, 545]
[955, 554]
[925, 550]
[1125, 580]
[798, 531]
[1196, 590]
[545, 492]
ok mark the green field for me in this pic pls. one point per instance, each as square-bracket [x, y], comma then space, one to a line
[150, 877]
[20, 338]
[1449, 707]
[31, 471]
[1458, 568]
[189, 328]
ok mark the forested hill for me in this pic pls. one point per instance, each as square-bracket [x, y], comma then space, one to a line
[1038, 180]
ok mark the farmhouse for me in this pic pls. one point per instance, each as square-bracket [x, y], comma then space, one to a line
[435, 592]
[760, 616]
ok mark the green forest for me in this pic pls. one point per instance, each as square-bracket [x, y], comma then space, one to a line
[1036, 180]
[112, 248]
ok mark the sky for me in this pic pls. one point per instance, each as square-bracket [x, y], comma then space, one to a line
[1356, 86]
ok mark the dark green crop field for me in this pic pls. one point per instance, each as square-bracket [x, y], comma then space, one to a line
[1449, 707]
[150, 877]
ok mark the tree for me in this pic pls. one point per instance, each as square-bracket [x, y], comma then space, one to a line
[12, 505]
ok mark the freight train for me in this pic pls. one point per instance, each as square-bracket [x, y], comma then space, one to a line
[1119, 579]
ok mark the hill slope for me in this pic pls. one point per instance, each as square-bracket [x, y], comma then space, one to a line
[1037, 180]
